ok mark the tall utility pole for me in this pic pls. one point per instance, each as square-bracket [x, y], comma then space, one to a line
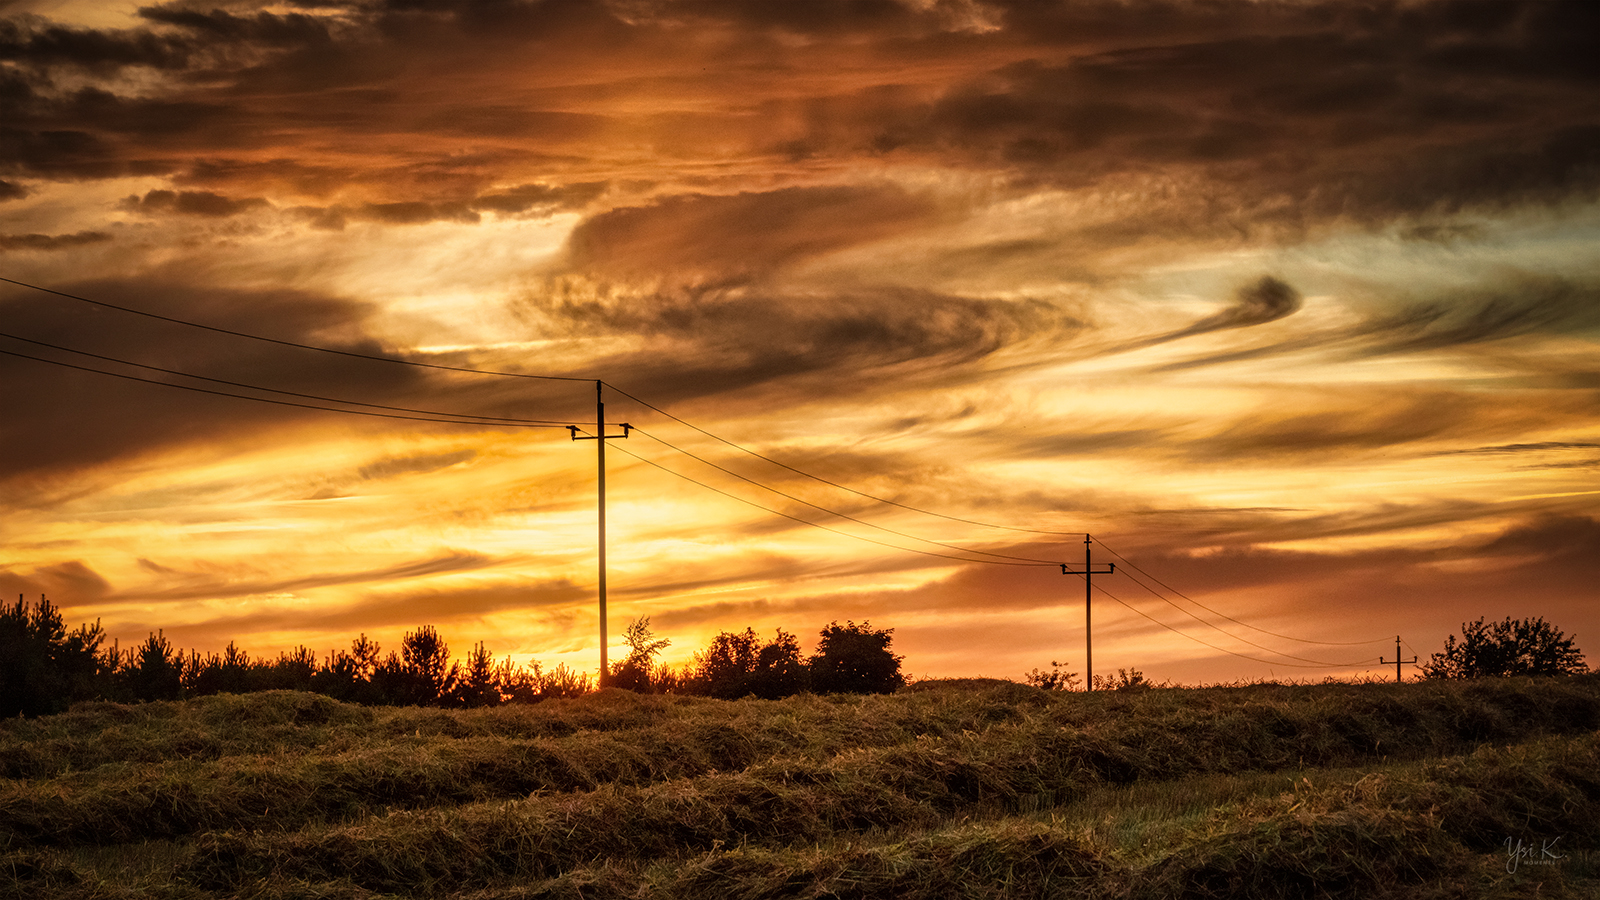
[600, 437]
[1397, 660]
[1088, 574]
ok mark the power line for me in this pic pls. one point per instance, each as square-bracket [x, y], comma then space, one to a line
[1320, 665]
[255, 387]
[497, 421]
[257, 337]
[1216, 627]
[831, 512]
[201, 390]
[847, 534]
[386, 359]
[825, 481]
[1224, 615]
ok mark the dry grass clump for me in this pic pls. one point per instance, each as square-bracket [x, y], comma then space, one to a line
[1009, 859]
[1406, 825]
[782, 800]
[968, 789]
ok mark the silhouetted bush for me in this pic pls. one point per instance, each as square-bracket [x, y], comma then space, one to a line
[855, 659]
[739, 665]
[638, 671]
[1510, 647]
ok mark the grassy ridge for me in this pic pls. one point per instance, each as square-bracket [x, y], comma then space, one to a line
[974, 789]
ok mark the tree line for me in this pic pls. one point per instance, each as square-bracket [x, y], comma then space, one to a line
[45, 668]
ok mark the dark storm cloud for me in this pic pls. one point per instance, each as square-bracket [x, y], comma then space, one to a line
[62, 584]
[1269, 115]
[712, 340]
[36, 42]
[191, 203]
[1519, 304]
[10, 191]
[392, 609]
[540, 199]
[1289, 114]
[1265, 300]
[410, 465]
[1487, 314]
[693, 276]
[180, 586]
[1362, 422]
[722, 237]
[51, 241]
[263, 28]
[1535, 447]
[71, 154]
[414, 212]
[67, 418]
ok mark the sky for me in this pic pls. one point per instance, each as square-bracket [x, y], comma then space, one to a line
[1292, 306]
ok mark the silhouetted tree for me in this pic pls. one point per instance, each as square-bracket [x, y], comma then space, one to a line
[563, 682]
[339, 677]
[291, 671]
[422, 675]
[479, 686]
[519, 684]
[724, 667]
[855, 659]
[1509, 647]
[43, 668]
[635, 672]
[156, 670]
[779, 672]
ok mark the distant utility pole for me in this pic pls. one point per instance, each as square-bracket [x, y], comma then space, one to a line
[1397, 660]
[600, 437]
[1088, 574]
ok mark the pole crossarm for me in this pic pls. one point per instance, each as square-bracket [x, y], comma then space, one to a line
[1397, 660]
[575, 429]
[1088, 573]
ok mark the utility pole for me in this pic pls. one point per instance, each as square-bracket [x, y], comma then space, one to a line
[1397, 660]
[600, 437]
[1088, 574]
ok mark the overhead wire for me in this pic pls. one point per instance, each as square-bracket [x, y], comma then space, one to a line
[1216, 627]
[1317, 665]
[474, 419]
[1224, 615]
[201, 390]
[255, 387]
[832, 512]
[296, 344]
[834, 484]
[992, 562]
[470, 370]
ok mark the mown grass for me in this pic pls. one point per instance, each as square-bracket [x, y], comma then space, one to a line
[984, 789]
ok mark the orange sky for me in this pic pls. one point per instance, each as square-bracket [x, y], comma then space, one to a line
[1293, 305]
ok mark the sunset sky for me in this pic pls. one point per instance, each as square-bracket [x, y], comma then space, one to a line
[1293, 305]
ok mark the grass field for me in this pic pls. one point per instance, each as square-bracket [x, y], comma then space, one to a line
[958, 789]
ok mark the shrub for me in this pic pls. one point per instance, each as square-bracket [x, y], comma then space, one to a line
[1510, 647]
[635, 672]
[855, 659]
[1054, 680]
[739, 665]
